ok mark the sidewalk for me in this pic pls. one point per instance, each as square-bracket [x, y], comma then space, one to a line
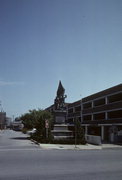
[69, 147]
[111, 146]
[79, 147]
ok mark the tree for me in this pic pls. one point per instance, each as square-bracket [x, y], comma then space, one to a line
[27, 120]
[42, 116]
[79, 132]
[36, 119]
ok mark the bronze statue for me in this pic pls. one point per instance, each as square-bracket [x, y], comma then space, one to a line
[60, 98]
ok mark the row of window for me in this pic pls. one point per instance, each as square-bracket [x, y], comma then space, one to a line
[102, 116]
[71, 120]
[103, 101]
[99, 102]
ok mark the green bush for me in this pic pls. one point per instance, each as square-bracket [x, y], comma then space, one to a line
[67, 141]
[24, 130]
[51, 140]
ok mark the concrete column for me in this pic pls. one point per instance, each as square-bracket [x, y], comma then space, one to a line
[102, 133]
[106, 115]
[92, 118]
[73, 109]
[86, 130]
[92, 104]
[81, 115]
[106, 100]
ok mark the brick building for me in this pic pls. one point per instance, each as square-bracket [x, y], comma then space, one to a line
[100, 113]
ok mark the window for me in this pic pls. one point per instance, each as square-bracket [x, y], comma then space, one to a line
[115, 98]
[70, 110]
[115, 114]
[78, 108]
[99, 102]
[87, 105]
[87, 118]
[100, 116]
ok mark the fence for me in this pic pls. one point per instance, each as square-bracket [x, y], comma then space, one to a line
[93, 139]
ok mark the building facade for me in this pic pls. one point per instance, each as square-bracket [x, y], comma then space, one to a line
[8, 122]
[100, 114]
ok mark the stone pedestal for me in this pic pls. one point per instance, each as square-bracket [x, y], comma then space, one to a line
[60, 116]
[61, 131]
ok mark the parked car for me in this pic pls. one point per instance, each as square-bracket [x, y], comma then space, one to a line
[31, 131]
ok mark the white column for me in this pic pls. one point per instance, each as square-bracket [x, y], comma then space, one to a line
[106, 100]
[102, 133]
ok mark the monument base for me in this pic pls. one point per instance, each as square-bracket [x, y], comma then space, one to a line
[60, 117]
[61, 131]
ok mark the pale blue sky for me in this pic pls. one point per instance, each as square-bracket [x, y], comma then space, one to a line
[43, 41]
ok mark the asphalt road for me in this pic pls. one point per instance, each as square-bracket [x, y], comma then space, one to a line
[20, 159]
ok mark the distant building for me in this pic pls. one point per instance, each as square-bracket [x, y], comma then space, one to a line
[2, 120]
[8, 122]
[17, 124]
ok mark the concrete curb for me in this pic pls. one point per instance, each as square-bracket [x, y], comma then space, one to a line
[69, 147]
[111, 146]
[79, 147]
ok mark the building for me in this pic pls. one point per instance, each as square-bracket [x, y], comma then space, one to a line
[17, 124]
[74, 110]
[8, 122]
[100, 114]
[2, 120]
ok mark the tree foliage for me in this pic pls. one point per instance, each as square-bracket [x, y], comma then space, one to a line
[36, 119]
[79, 132]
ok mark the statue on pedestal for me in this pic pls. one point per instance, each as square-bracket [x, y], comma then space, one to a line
[60, 130]
[60, 98]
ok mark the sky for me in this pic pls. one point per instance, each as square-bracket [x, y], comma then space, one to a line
[43, 41]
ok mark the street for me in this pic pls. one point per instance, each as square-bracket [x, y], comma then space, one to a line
[21, 159]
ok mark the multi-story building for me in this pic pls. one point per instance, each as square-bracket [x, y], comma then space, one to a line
[100, 113]
[74, 110]
[8, 122]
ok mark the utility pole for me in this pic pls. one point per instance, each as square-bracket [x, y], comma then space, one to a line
[47, 127]
[75, 132]
[1, 116]
[1, 109]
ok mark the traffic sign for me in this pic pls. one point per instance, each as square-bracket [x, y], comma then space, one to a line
[46, 124]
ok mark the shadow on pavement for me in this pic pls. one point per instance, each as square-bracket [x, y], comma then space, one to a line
[21, 138]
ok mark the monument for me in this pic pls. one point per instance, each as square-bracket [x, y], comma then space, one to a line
[60, 130]
[59, 105]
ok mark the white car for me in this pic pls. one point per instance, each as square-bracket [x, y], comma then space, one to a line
[31, 131]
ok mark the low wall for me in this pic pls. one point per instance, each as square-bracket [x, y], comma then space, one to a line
[93, 139]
